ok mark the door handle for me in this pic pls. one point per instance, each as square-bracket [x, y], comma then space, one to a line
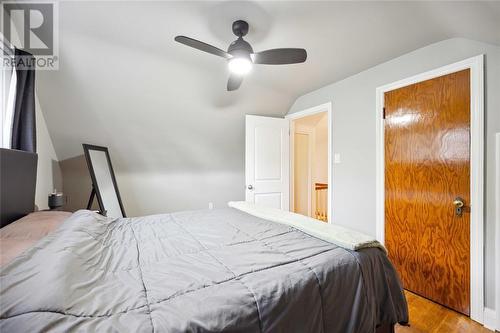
[458, 202]
[250, 187]
[459, 206]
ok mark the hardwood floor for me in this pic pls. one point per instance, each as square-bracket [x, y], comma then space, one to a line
[429, 317]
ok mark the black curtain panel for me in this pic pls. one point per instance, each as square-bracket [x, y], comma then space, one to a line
[24, 124]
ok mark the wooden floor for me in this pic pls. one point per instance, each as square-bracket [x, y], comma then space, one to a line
[427, 316]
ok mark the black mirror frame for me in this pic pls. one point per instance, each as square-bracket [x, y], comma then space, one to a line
[86, 148]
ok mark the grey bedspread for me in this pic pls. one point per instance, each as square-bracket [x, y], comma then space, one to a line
[196, 271]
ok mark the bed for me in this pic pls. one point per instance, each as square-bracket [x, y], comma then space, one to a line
[22, 234]
[221, 270]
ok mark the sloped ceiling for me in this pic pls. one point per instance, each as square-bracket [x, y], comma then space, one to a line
[125, 83]
[162, 107]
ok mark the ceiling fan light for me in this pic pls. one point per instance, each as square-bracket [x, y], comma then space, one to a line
[240, 65]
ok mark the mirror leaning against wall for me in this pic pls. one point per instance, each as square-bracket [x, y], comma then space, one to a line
[104, 185]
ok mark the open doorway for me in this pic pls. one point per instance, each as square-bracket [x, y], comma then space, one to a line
[310, 188]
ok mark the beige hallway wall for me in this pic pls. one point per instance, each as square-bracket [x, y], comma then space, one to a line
[310, 161]
[301, 173]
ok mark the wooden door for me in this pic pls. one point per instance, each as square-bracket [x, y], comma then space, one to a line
[427, 152]
[267, 161]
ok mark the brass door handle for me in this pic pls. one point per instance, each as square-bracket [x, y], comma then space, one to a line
[458, 202]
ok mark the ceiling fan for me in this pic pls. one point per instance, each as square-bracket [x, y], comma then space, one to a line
[240, 56]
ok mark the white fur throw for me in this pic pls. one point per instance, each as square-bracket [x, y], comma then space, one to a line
[341, 236]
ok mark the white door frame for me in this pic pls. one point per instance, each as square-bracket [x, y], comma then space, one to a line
[475, 64]
[326, 107]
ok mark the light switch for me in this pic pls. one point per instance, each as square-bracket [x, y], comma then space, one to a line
[336, 158]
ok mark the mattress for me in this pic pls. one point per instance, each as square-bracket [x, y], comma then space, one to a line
[198, 271]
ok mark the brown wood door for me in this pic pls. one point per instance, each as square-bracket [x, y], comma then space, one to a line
[427, 152]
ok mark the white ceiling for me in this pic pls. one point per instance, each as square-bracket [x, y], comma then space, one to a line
[123, 81]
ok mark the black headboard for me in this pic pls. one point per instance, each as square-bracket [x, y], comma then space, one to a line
[17, 184]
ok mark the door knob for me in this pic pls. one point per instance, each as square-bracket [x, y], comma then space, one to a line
[250, 187]
[459, 204]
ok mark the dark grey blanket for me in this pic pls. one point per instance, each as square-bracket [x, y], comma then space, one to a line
[198, 271]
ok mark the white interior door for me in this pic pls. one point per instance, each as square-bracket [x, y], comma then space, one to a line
[267, 161]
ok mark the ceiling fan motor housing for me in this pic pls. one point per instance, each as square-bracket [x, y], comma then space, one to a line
[240, 28]
[240, 48]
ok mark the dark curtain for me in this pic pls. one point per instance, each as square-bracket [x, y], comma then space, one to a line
[24, 124]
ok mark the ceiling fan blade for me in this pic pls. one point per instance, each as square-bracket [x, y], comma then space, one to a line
[202, 46]
[280, 56]
[234, 82]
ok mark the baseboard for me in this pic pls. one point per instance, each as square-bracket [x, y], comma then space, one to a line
[490, 319]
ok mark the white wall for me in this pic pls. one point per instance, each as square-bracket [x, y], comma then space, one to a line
[155, 192]
[320, 174]
[353, 103]
[48, 175]
[146, 192]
